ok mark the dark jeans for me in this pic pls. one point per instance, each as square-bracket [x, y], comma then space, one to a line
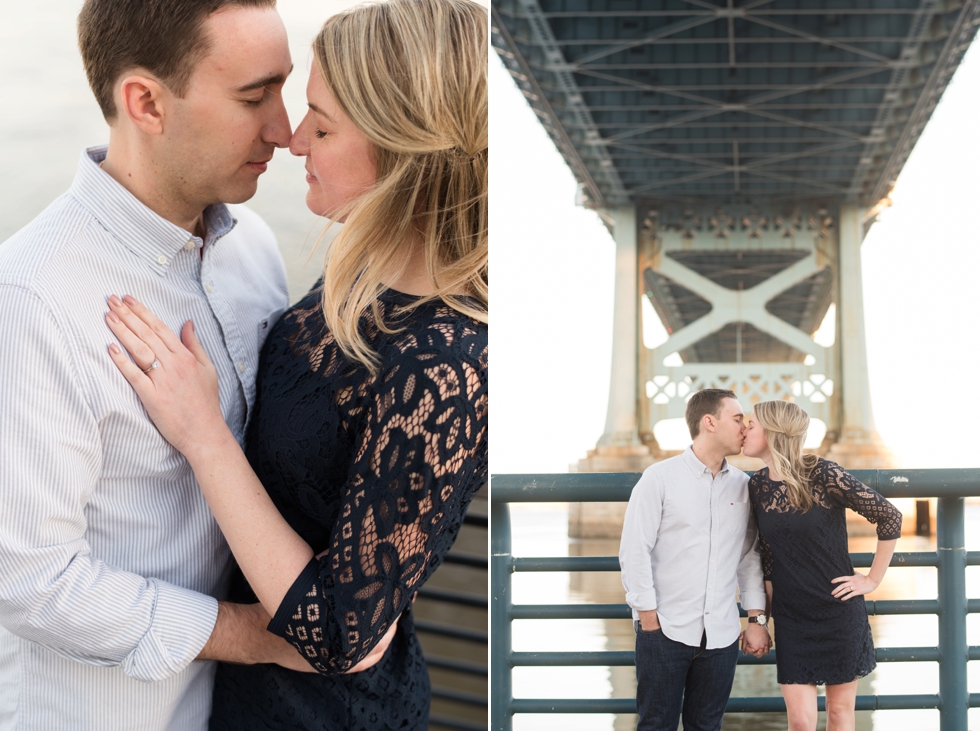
[672, 677]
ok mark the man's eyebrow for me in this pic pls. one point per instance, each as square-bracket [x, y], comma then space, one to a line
[267, 81]
[319, 111]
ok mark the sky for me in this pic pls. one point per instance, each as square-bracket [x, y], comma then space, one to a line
[552, 265]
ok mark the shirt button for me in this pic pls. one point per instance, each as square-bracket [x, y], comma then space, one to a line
[241, 367]
[190, 245]
[161, 259]
[209, 288]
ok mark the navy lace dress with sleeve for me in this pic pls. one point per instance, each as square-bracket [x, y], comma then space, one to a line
[819, 639]
[375, 473]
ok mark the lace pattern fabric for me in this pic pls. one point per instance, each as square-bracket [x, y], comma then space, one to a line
[820, 639]
[375, 472]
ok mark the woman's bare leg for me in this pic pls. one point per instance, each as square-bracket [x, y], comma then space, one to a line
[840, 706]
[801, 706]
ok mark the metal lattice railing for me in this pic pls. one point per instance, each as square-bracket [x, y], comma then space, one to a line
[951, 606]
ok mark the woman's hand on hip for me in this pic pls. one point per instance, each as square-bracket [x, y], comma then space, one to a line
[852, 586]
[173, 377]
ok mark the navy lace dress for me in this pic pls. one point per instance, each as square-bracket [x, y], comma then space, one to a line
[819, 639]
[376, 474]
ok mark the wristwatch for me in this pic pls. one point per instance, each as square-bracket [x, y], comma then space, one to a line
[760, 619]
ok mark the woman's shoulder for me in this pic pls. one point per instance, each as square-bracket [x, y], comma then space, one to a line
[434, 332]
[760, 476]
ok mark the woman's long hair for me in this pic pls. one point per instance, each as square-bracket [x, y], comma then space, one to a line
[785, 425]
[412, 77]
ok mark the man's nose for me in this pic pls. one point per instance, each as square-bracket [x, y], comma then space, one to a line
[277, 130]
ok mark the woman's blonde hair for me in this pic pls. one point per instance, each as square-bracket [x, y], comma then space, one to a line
[412, 77]
[785, 425]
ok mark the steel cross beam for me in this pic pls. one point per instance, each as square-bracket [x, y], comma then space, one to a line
[748, 306]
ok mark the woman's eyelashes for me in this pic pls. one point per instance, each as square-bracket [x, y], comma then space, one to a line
[319, 133]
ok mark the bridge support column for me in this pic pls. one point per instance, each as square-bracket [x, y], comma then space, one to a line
[858, 445]
[619, 449]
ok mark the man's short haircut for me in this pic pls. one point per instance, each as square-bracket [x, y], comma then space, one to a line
[705, 401]
[164, 37]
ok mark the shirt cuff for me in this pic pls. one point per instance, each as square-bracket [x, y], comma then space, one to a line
[180, 626]
[306, 585]
[643, 601]
[753, 600]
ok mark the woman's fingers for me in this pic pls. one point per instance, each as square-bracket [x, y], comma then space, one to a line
[143, 331]
[156, 325]
[137, 379]
[142, 354]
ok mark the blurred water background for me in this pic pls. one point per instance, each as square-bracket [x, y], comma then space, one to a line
[48, 115]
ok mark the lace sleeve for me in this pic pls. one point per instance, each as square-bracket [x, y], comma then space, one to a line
[421, 454]
[766, 553]
[847, 491]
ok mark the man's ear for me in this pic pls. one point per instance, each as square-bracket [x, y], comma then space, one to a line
[708, 423]
[143, 102]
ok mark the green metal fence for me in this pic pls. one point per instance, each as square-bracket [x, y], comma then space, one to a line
[950, 486]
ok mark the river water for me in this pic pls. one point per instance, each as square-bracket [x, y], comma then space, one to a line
[541, 530]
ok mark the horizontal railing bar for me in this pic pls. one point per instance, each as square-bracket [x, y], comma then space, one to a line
[611, 563]
[463, 559]
[622, 611]
[461, 666]
[459, 633]
[617, 658]
[459, 696]
[735, 705]
[455, 723]
[616, 486]
[453, 597]
[476, 519]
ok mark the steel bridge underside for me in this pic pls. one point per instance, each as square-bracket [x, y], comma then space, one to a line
[769, 99]
[744, 123]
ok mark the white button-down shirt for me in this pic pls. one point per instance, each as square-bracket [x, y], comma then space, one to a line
[689, 541]
[109, 557]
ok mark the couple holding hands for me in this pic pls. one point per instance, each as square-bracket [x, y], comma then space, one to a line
[696, 529]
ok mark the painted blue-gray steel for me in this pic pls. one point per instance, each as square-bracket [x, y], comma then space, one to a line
[743, 101]
[953, 650]
[951, 606]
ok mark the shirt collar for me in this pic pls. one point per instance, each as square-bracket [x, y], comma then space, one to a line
[697, 467]
[149, 236]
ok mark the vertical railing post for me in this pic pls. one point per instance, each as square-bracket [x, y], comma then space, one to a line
[953, 652]
[501, 567]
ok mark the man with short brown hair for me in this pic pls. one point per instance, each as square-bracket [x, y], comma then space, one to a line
[109, 557]
[689, 541]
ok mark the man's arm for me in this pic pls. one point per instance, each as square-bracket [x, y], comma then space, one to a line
[53, 591]
[640, 527]
[751, 590]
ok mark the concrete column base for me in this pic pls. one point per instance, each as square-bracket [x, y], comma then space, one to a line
[605, 520]
[867, 452]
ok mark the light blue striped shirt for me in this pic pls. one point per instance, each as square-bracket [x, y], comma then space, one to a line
[109, 556]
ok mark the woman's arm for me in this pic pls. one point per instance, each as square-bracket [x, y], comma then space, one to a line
[845, 489]
[860, 584]
[181, 397]
[401, 507]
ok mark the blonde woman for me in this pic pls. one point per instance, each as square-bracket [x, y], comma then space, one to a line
[369, 434]
[822, 633]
